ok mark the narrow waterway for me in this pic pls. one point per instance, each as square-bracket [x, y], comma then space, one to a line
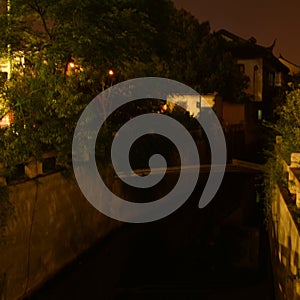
[219, 252]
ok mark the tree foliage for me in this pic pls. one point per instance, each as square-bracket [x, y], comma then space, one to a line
[288, 125]
[219, 71]
[134, 38]
[288, 128]
[47, 97]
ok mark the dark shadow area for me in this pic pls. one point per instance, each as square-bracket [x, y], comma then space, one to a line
[219, 252]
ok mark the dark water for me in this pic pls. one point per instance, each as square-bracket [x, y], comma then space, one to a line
[219, 252]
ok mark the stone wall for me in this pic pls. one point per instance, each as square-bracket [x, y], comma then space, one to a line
[52, 224]
[285, 247]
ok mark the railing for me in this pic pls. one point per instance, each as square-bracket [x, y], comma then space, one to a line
[235, 166]
[32, 168]
[247, 165]
[284, 229]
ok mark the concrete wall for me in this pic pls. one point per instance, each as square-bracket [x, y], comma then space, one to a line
[285, 248]
[52, 224]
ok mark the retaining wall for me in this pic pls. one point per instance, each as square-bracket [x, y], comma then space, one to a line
[285, 247]
[52, 224]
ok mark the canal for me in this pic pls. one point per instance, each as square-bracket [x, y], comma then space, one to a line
[219, 252]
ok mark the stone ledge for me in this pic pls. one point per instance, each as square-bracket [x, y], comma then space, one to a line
[294, 177]
[32, 167]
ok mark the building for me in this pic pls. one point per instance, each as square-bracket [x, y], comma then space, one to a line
[294, 74]
[268, 76]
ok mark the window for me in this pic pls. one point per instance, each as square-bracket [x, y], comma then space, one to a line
[241, 68]
[271, 79]
[259, 114]
[278, 79]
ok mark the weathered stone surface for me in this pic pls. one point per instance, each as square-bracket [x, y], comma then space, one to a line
[52, 224]
[33, 168]
[295, 160]
[285, 248]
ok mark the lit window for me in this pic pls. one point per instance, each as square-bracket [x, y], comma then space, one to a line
[259, 114]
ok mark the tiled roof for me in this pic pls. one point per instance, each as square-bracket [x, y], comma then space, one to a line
[243, 48]
[294, 69]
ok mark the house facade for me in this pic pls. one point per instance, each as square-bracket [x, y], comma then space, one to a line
[294, 74]
[268, 76]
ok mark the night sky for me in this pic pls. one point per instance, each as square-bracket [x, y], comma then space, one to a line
[263, 19]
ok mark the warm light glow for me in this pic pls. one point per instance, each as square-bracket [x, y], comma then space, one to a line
[72, 65]
[6, 120]
[111, 73]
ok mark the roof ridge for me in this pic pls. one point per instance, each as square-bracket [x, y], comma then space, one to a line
[288, 61]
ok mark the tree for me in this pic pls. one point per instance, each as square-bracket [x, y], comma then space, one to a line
[219, 71]
[68, 47]
[199, 58]
[186, 39]
[288, 125]
[287, 128]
